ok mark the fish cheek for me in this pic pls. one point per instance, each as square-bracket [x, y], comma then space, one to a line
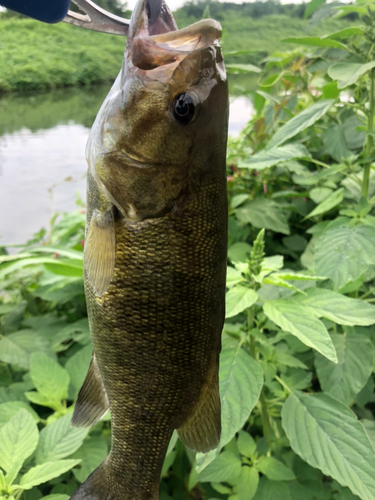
[146, 192]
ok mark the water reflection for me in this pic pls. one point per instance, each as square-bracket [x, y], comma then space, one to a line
[42, 164]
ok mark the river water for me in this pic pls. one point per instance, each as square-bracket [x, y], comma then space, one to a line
[42, 164]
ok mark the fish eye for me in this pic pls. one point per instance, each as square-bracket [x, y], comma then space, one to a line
[183, 108]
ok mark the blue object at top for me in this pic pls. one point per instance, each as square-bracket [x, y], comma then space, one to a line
[48, 11]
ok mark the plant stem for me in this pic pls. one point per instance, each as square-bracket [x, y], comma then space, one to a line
[370, 140]
[265, 417]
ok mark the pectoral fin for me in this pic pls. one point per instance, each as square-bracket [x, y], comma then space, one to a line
[201, 431]
[100, 251]
[92, 402]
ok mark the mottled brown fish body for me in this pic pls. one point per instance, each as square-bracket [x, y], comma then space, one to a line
[157, 219]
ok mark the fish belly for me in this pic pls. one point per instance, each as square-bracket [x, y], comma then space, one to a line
[157, 330]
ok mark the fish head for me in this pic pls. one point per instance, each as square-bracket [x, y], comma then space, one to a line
[163, 126]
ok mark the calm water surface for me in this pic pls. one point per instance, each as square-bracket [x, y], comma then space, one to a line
[42, 163]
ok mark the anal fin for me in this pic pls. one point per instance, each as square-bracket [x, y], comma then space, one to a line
[201, 431]
[100, 251]
[92, 402]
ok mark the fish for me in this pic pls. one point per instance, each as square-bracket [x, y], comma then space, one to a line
[155, 252]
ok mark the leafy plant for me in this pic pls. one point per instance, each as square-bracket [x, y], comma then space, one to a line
[297, 363]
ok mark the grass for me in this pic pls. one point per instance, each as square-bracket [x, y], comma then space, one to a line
[39, 56]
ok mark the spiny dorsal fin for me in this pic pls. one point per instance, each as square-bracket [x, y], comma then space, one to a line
[100, 251]
[92, 402]
[201, 431]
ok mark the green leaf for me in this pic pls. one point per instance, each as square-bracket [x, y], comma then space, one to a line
[225, 467]
[344, 380]
[312, 6]
[319, 194]
[346, 33]
[299, 321]
[246, 444]
[344, 253]
[335, 143]
[10, 408]
[56, 496]
[369, 426]
[45, 472]
[338, 308]
[51, 379]
[66, 268]
[59, 440]
[78, 365]
[92, 453]
[327, 435]
[238, 299]
[18, 438]
[315, 41]
[300, 122]
[263, 213]
[16, 348]
[274, 469]
[328, 203]
[241, 380]
[233, 277]
[347, 73]
[270, 157]
[242, 68]
[247, 483]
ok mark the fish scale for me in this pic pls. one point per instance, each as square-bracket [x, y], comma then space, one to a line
[155, 255]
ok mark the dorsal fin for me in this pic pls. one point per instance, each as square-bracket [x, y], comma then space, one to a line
[92, 402]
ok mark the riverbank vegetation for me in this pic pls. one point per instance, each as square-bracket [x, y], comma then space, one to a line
[36, 56]
[297, 366]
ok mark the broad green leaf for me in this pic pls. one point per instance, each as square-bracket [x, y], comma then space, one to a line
[270, 157]
[242, 68]
[233, 277]
[66, 268]
[300, 122]
[274, 469]
[247, 483]
[51, 379]
[238, 299]
[327, 435]
[312, 6]
[299, 321]
[225, 467]
[56, 496]
[92, 453]
[327, 204]
[45, 472]
[16, 348]
[369, 426]
[338, 308]
[315, 41]
[61, 251]
[344, 380]
[263, 213]
[18, 438]
[319, 194]
[344, 253]
[59, 440]
[78, 365]
[346, 33]
[10, 408]
[246, 444]
[347, 73]
[335, 144]
[241, 380]
[239, 252]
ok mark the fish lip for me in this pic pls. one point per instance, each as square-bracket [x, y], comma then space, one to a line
[157, 44]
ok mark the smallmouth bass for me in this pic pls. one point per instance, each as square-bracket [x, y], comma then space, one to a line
[155, 252]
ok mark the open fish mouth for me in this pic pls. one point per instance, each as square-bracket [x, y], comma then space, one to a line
[154, 40]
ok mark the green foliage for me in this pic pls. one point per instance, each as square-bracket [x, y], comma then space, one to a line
[297, 363]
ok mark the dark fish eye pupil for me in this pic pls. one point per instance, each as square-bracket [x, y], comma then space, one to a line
[183, 108]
